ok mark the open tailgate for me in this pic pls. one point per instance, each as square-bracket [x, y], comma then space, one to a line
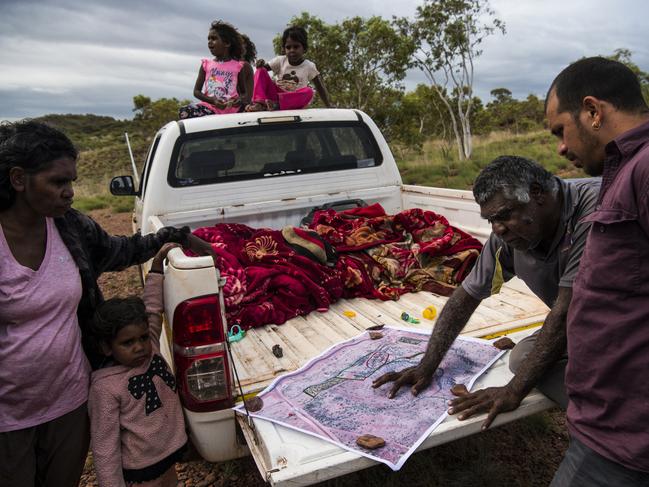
[286, 457]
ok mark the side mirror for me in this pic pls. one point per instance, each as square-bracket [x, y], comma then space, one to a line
[122, 186]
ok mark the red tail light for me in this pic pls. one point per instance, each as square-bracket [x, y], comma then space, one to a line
[200, 354]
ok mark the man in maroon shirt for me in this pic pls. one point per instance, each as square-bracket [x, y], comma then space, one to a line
[596, 109]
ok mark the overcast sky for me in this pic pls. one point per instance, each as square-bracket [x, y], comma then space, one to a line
[92, 56]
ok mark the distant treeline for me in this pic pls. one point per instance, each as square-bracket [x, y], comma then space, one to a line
[407, 118]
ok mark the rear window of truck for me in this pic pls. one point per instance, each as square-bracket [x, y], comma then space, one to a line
[272, 150]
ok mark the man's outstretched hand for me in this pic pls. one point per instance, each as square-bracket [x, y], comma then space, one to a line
[494, 400]
[418, 377]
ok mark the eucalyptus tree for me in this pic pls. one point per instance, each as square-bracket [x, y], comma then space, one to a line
[448, 35]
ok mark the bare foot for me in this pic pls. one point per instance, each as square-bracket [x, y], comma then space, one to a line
[255, 107]
[271, 105]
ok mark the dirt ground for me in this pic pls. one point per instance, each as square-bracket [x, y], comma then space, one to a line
[524, 453]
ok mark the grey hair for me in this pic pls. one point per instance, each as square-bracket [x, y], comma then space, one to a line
[512, 177]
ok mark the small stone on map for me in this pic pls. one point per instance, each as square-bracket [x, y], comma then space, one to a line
[370, 442]
[254, 404]
[375, 327]
[375, 335]
[504, 344]
[277, 351]
[459, 390]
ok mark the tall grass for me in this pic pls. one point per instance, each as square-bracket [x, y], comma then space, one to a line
[116, 204]
[438, 164]
[92, 193]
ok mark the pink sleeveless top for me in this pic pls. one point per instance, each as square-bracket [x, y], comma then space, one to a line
[44, 373]
[221, 82]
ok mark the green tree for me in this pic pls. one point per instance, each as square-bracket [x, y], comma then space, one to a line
[432, 120]
[408, 119]
[501, 95]
[506, 113]
[448, 34]
[532, 113]
[361, 60]
[151, 115]
[502, 112]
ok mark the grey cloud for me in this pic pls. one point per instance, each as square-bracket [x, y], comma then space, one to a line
[60, 56]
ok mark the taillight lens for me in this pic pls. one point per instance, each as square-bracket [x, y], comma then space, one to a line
[200, 355]
[200, 320]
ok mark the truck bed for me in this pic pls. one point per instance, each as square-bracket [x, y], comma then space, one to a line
[177, 189]
[304, 337]
[286, 457]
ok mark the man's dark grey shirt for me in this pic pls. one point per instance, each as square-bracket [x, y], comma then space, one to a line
[543, 273]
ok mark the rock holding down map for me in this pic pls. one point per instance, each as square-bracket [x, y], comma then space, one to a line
[332, 397]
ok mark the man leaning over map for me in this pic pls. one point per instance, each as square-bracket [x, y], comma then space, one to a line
[536, 236]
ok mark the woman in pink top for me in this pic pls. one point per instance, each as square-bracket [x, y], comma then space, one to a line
[138, 431]
[224, 83]
[50, 258]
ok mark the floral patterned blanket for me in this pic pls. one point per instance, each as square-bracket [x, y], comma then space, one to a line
[381, 256]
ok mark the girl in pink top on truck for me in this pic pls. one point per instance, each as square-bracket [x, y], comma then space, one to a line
[293, 74]
[224, 83]
[136, 420]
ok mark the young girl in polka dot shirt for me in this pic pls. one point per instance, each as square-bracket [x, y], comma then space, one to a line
[136, 420]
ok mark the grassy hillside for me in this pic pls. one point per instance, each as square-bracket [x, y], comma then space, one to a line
[87, 131]
[438, 164]
[103, 154]
[101, 144]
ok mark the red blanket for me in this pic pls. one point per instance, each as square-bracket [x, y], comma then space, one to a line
[380, 256]
[411, 251]
[266, 280]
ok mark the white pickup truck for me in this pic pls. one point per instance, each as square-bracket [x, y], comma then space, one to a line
[269, 169]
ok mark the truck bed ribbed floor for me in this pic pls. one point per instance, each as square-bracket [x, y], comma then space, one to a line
[305, 337]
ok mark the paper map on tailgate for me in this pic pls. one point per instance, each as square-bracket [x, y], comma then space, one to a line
[332, 397]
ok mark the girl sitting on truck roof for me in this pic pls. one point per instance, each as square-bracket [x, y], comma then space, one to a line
[293, 73]
[136, 420]
[224, 83]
